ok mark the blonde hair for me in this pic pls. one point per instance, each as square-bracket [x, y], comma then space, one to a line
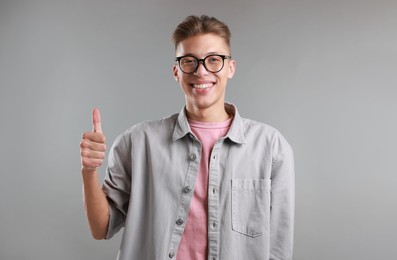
[194, 25]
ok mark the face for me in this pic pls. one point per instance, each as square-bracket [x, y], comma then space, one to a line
[204, 89]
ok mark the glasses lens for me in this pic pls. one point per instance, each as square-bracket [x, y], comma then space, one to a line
[188, 64]
[213, 63]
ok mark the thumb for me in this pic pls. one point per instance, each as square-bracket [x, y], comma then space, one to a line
[96, 120]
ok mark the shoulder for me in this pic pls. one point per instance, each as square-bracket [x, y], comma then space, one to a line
[260, 132]
[251, 124]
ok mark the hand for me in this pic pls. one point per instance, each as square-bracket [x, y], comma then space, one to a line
[92, 146]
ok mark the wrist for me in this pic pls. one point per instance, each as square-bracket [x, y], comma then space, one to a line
[88, 170]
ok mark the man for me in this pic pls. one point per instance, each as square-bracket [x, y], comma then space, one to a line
[201, 184]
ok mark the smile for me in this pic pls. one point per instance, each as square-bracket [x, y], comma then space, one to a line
[203, 85]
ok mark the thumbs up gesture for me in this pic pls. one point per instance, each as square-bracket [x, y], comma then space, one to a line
[92, 146]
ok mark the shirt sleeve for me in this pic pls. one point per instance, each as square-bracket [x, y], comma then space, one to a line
[117, 184]
[282, 201]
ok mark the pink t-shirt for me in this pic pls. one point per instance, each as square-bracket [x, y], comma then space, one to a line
[194, 241]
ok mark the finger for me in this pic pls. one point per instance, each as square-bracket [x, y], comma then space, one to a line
[91, 163]
[87, 144]
[96, 120]
[88, 153]
[94, 137]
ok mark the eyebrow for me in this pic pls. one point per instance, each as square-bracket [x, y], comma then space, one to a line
[191, 54]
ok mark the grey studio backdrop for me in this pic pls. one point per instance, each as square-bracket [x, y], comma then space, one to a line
[322, 72]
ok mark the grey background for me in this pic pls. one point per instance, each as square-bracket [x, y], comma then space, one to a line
[322, 72]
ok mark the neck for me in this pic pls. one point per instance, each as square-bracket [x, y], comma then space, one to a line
[213, 114]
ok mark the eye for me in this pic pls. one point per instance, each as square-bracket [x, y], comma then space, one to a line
[188, 61]
[214, 59]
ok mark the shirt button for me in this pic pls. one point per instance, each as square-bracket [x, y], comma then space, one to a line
[187, 189]
[179, 222]
[171, 254]
[193, 157]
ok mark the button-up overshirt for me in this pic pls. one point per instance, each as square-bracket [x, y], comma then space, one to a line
[151, 174]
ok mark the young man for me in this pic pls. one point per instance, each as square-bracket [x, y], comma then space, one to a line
[202, 184]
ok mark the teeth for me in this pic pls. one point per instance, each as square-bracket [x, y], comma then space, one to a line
[202, 86]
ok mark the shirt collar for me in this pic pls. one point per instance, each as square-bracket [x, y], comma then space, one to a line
[235, 133]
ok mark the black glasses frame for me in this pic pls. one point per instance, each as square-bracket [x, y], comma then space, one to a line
[224, 57]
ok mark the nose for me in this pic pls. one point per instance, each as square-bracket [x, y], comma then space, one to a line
[201, 70]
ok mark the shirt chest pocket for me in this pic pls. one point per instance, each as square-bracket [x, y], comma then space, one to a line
[251, 206]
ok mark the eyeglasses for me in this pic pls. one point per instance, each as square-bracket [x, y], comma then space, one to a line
[212, 63]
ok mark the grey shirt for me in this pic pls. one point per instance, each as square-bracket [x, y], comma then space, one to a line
[151, 174]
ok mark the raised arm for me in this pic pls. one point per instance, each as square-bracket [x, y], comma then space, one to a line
[93, 148]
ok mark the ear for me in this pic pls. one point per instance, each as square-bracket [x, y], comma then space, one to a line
[175, 72]
[232, 68]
